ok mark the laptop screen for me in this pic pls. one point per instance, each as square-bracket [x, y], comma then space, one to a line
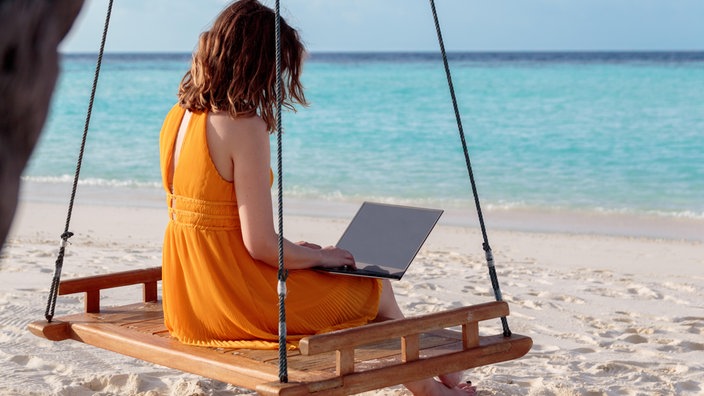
[386, 238]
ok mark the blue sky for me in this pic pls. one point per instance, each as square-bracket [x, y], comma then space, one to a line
[406, 25]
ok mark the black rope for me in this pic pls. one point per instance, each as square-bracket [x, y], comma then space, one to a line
[53, 291]
[485, 245]
[282, 273]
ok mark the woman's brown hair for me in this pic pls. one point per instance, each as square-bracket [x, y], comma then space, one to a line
[234, 67]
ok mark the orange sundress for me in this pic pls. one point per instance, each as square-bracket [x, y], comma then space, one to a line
[214, 292]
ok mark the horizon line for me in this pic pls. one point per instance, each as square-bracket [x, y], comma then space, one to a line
[363, 52]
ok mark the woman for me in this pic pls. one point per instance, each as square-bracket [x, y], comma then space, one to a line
[220, 253]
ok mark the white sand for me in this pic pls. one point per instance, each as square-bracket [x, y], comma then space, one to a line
[614, 304]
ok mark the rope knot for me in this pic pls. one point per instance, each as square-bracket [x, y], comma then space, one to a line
[64, 240]
[281, 289]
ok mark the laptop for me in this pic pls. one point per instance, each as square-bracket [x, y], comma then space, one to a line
[385, 239]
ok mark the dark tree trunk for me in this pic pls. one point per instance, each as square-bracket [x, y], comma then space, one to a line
[30, 32]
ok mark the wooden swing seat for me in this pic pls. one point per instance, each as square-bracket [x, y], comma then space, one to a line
[338, 363]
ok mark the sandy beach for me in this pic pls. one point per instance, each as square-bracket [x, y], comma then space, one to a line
[614, 303]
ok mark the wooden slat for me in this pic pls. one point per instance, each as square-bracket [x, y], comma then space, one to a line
[151, 293]
[328, 387]
[108, 281]
[171, 353]
[153, 326]
[410, 347]
[344, 361]
[470, 335]
[374, 332]
[109, 330]
[264, 355]
[117, 315]
[91, 302]
[120, 315]
[54, 331]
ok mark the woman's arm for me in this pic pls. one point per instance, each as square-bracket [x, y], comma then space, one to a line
[247, 141]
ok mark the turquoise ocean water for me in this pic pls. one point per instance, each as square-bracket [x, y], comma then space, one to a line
[613, 132]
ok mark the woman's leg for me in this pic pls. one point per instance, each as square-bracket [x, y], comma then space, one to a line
[450, 385]
[388, 307]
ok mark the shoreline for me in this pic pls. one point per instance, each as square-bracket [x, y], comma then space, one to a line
[556, 238]
[553, 221]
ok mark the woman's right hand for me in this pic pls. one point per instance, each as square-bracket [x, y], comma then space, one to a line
[332, 257]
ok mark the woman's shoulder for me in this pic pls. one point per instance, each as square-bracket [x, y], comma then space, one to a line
[229, 124]
[237, 133]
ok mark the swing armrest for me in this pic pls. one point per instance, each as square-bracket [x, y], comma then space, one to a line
[467, 317]
[344, 342]
[92, 285]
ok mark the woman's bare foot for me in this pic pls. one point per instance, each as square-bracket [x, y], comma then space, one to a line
[431, 387]
[451, 380]
[467, 387]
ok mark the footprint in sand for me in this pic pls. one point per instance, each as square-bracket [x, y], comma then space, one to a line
[605, 292]
[644, 291]
[580, 351]
[640, 330]
[477, 291]
[635, 339]
[569, 299]
[688, 346]
[676, 300]
[692, 324]
[673, 346]
[531, 304]
[680, 287]
[37, 364]
[689, 387]
[427, 286]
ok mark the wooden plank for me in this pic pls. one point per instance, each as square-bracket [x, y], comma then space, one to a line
[147, 319]
[120, 315]
[141, 308]
[410, 348]
[54, 331]
[344, 361]
[152, 326]
[59, 329]
[91, 301]
[324, 362]
[233, 368]
[150, 293]
[328, 387]
[374, 332]
[264, 355]
[470, 335]
[108, 281]
[169, 352]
